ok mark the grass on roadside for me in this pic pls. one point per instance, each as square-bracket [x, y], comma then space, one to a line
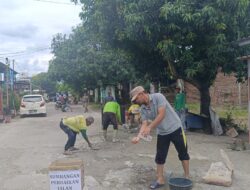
[237, 112]
[193, 108]
[222, 111]
[239, 115]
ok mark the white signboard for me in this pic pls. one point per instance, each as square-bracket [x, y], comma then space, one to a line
[65, 180]
[1, 77]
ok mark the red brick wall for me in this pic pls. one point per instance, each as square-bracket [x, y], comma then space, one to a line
[192, 93]
[225, 91]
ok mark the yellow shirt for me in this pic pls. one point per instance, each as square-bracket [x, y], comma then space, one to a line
[76, 123]
[134, 108]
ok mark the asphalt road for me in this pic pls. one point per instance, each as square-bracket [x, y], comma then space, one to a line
[29, 145]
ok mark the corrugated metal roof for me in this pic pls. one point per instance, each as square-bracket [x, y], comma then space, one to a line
[3, 68]
[244, 41]
[246, 57]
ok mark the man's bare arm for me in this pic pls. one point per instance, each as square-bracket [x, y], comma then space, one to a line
[160, 116]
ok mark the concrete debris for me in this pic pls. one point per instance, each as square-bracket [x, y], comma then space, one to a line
[238, 145]
[232, 133]
[220, 173]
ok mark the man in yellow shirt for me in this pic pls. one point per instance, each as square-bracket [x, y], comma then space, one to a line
[72, 126]
[134, 115]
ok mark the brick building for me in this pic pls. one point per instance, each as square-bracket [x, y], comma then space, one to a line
[224, 91]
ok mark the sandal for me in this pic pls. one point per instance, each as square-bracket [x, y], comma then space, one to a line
[156, 185]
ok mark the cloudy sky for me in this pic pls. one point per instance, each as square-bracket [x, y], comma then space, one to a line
[27, 28]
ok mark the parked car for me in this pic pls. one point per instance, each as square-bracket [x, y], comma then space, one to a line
[33, 104]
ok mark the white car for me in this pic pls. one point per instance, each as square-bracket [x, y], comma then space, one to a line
[33, 105]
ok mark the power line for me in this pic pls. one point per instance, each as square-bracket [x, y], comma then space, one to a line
[23, 52]
[56, 2]
[24, 55]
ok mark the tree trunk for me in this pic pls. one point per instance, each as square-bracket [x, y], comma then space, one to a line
[205, 101]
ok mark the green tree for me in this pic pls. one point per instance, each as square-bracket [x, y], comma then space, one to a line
[200, 40]
[44, 82]
[82, 61]
[175, 38]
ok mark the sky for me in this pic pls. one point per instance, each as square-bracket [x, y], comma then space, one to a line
[27, 28]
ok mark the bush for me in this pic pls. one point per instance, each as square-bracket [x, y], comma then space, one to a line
[229, 122]
[6, 111]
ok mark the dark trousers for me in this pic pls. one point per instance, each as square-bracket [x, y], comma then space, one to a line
[109, 118]
[163, 142]
[71, 136]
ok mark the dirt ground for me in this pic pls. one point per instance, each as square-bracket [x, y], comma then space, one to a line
[29, 145]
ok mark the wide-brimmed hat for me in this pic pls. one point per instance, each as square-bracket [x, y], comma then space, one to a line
[134, 93]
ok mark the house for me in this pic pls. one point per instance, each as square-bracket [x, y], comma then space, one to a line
[7, 81]
[7, 74]
[23, 85]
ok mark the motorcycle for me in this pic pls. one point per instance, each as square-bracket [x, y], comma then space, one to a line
[58, 105]
[66, 107]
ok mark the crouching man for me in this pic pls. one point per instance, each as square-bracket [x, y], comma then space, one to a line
[72, 126]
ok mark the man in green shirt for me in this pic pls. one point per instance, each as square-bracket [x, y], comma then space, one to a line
[72, 126]
[180, 106]
[111, 115]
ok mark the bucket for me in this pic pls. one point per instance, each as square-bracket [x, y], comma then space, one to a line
[180, 184]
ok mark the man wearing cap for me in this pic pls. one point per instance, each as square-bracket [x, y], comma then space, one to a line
[155, 108]
[72, 126]
[180, 105]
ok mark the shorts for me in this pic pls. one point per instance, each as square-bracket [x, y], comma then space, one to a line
[163, 141]
[109, 118]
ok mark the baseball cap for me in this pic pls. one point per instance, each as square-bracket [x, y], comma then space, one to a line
[134, 93]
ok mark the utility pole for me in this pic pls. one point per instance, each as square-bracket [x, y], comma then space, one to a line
[30, 86]
[13, 76]
[13, 86]
[7, 83]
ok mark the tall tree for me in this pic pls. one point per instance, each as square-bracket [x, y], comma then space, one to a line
[200, 39]
[85, 61]
[188, 39]
[44, 82]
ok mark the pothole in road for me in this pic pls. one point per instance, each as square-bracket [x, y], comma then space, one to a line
[137, 177]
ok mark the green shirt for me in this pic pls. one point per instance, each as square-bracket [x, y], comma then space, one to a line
[113, 107]
[77, 124]
[180, 101]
